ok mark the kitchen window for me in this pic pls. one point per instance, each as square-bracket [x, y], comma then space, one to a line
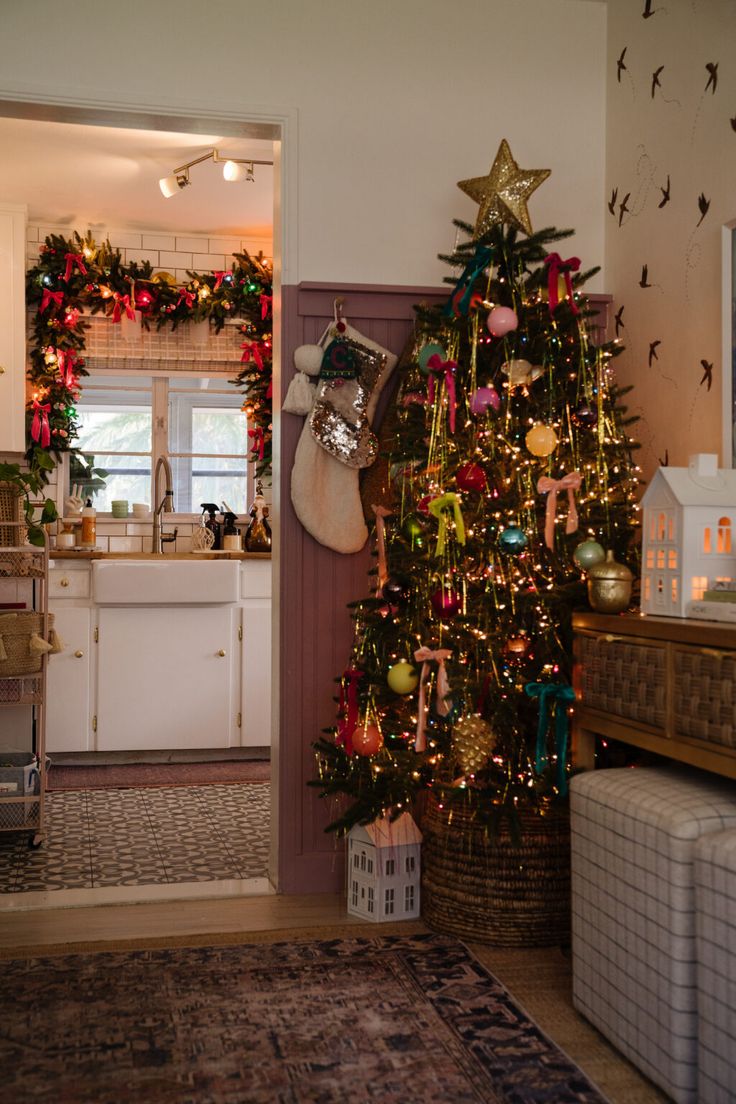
[127, 422]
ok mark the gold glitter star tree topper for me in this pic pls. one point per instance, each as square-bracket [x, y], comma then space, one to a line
[503, 193]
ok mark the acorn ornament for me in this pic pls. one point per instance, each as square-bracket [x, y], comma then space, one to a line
[609, 586]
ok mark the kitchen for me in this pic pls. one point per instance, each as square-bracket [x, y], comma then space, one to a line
[167, 649]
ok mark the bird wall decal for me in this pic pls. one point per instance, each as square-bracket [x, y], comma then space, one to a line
[655, 79]
[665, 193]
[623, 207]
[621, 64]
[666, 462]
[644, 281]
[612, 200]
[733, 123]
[618, 318]
[712, 83]
[707, 379]
[703, 206]
[653, 355]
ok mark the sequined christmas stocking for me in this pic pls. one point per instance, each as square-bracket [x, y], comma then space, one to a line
[339, 419]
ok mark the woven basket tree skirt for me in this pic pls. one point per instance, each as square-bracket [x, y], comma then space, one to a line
[490, 888]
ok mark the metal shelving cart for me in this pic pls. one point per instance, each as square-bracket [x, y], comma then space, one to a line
[23, 682]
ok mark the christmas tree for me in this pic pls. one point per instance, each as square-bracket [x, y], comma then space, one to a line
[509, 472]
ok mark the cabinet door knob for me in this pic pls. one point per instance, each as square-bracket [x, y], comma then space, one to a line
[2, 370]
[222, 652]
[79, 655]
[64, 582]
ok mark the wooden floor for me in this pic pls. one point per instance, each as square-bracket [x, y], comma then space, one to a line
[538, 979]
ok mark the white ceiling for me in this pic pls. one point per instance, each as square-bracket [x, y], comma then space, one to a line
[93, 177]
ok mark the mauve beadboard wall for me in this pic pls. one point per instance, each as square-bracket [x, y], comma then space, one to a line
[316, 584]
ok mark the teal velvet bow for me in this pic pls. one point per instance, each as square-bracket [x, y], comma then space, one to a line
[559, 695]
[480, 260]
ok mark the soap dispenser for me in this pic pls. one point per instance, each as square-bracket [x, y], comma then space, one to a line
[212, 524]
[230, 535]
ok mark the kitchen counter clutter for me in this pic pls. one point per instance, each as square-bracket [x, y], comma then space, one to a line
[160, 659]
[92, 554]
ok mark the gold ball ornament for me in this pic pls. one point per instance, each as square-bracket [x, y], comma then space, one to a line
[473, 741]
[403, 678]
[609, 586]
[541, 440]
[503, 193]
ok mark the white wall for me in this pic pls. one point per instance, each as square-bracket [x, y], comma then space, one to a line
[396, 102]
[683, 132]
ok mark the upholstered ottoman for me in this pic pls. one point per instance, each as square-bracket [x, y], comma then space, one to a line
[715, 940]
[633, 911]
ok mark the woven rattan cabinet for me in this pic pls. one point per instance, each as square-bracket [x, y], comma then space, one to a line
[664, 684]
[23, 683]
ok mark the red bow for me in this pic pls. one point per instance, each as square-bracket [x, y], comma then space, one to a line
[266, 305]
[259, 441]
[40, 430]
[219, 277]
[67, 363]
[186, 297]
[71, 260]
[269, 390]
[50, 297]
[348, 717]
[122, 301]
[251, 348]
[557, 267]
[439, 366]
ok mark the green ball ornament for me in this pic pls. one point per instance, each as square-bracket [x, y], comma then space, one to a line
[403, 677]
[588, 553]
[428, 351]
[414, 530]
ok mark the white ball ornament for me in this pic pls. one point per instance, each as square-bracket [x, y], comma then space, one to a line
[308, 359]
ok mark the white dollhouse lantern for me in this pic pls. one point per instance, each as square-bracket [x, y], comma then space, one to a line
[384, 869]
[689, 537]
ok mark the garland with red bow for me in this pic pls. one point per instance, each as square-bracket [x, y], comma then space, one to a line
[76, 275]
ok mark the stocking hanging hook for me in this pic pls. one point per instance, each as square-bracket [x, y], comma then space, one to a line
[339, 317]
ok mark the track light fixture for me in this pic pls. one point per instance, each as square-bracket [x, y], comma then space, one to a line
[234, 170]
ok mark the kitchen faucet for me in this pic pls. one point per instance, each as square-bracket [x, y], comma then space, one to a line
[159, 538]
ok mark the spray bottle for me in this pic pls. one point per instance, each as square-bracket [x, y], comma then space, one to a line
[230, 535]
[212, 524]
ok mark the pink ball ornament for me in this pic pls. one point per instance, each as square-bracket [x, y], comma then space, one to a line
[471, 477]
[502, 320]
[483, 398]
[367, 740]
[446, 603]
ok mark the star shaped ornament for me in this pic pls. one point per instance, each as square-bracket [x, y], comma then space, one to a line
[502, 194]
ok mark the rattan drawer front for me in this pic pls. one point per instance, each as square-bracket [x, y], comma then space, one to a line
[68, 584]
[625, 678]
[705, 701]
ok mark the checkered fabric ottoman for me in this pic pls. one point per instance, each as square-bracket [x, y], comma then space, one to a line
[633, 911]
[715, 940]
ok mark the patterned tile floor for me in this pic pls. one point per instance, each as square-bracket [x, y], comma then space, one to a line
[100, 838]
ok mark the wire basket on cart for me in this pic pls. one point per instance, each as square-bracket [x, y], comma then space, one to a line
[22, 643]
[496, 888]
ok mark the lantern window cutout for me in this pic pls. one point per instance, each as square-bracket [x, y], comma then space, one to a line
[706, 541]
[384, 864]
[700, 585]
[724, 536]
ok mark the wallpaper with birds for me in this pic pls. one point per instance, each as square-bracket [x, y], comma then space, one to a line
[671, 166]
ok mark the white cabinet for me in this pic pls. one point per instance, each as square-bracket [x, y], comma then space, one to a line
[69, 710]
[256, 654]
[12, 328]
[167, 677]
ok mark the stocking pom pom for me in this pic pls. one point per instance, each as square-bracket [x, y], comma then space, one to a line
[308, 358]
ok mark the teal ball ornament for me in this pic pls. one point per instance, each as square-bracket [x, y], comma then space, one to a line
[588, 553]
[427, 352]
[403, 677]
[513, 539]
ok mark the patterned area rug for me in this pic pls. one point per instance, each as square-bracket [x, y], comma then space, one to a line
[383, 1020]
[143, 775]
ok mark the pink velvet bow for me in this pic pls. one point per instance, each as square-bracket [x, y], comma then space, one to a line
[67, 364]
[557, 267]
[40, 430]
[381, 513]
[550, 487]
[425, 656]
[437, 367]
[50, 297]
[348, 716]
[73, 259]
[266, 302]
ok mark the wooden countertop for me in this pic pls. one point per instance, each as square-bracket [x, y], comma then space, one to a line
[94, 554]
[682, 630]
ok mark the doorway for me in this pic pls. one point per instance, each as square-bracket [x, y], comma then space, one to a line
[199, 132]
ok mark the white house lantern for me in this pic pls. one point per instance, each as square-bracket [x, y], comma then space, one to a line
[689, 540]
[384, 869]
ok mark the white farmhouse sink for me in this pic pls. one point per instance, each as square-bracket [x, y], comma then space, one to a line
[164, 582]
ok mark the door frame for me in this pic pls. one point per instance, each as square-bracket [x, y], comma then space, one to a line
[280, 126]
